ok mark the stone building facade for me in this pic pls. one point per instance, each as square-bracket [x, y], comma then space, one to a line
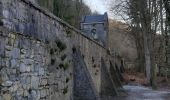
[96, 26]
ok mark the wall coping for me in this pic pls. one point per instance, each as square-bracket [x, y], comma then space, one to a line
[49, 14]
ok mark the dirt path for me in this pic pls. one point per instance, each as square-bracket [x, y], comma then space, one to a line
[143, 93]
[134, 91]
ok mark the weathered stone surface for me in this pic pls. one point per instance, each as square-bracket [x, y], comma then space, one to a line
[43, 93]
[34, 82]
[7, 97]
[2, 46]
[44, 81]
[23, 68]
[32, 58]
[14, 88]
[14, 63]
[34, 95]
[7, 83]
[41, 71]
[15, 53]
[20, 92]
[83, 86]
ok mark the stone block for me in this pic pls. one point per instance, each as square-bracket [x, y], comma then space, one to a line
[20, 92]
[14, 63]
[28, 69]
[26, 86]
[16, 44]
[7, 62]
[12, 71]
[32, 68]
[44, 81]
[34, 82]
[7, 83]
[23, 68]
[6, 97]
[2, 62]
[15, 53]
[14, 88]
[2, 46]
[28, 61]
[28, 80]
[35, 95]
[43, 93]
[8, 54]
[5, 14]
[41, 71]
[3, 74]
[23, 51]
[13, 77]
[26, 93]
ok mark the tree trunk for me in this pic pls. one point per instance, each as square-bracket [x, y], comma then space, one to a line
[147, 57]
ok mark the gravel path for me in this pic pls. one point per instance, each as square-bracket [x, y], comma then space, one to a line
[142, 93]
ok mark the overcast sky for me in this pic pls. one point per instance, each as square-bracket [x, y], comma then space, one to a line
[100, 6]
[97, 5]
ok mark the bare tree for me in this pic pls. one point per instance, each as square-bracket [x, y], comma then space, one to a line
[145, 17]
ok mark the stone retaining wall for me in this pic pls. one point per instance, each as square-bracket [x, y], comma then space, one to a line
[36, 54]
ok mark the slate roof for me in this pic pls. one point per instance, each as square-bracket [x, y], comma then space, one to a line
[94, 18]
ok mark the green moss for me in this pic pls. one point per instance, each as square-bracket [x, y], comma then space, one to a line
[94, 66]
[1, 22]
[74, 50]
[63, 57]
[46, 41]
[61, 65]
[65, 90]
[67, 80]
[51, 51]
[64, 66]
[108, 52]
[62, 46]
[69, 32]
[93, 60]
[52, 61]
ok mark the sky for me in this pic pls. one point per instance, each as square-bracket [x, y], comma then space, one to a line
[100, 6]
[97, 5]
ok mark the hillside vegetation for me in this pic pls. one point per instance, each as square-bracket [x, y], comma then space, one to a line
[121, 41]
[68, 10]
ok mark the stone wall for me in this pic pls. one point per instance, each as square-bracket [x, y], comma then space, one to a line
[29, 71]
[36, 54]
